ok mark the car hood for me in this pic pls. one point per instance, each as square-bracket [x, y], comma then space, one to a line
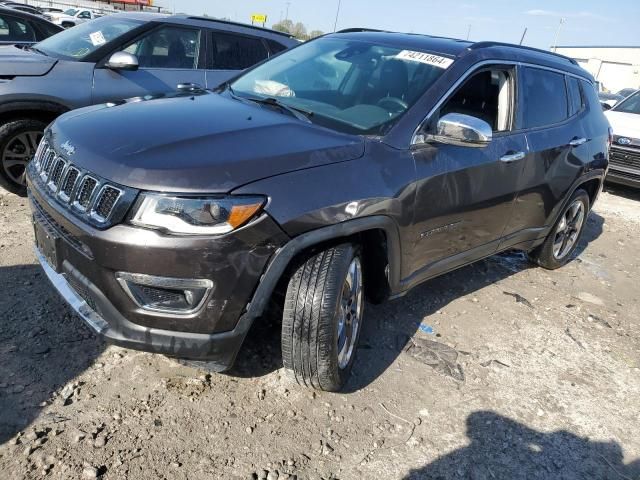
[624, 124]
[16, 61]
[195, 143]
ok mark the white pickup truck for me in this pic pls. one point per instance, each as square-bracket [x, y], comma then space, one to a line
[72, 17]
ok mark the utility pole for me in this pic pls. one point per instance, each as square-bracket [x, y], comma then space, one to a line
[335, 24]
[286, 17]
[555, 41]
[523, 34]
[468, 31]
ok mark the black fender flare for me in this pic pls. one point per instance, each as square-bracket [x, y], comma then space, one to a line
[33, 106]
[283, 256]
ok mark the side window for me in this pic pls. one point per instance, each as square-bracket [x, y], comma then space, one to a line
[167, 47]
[275, 47]
[486, 95]
[85, 14]
[15, 30]
[575, 96]
[236, 52]
[545, 97]
[591, 95]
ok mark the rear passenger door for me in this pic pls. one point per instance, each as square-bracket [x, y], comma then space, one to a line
[552, 110]
[229, 53]
[167, 56]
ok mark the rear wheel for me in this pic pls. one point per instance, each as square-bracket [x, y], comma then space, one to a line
[18, 143]
[560, 244]
[322, 318]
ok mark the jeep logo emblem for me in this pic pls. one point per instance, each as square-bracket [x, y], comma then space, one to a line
[624, 141]
[68, 148]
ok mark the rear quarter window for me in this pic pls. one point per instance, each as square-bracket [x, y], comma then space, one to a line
[545, 97]
[236, 52]
[275, 47]
[575, 95]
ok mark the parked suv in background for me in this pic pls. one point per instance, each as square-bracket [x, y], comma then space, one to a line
[72, 17]
[111, 58]
[625, 148]
[20, 28]
[354, 166]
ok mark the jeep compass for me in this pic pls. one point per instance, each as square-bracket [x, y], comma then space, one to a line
[352, 167]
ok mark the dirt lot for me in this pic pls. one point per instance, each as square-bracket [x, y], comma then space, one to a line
[499, 370]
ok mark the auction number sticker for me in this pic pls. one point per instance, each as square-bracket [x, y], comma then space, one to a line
[427, 58]
[97, 38]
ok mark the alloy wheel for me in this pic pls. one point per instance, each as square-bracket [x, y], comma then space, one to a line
[350, 313]
[19, 150]
[568, 229]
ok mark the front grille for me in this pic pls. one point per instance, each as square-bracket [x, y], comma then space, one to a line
[106, 200]
[83, 198]
[56, 173]
[69, 182]
[625, 157]
[95, 200]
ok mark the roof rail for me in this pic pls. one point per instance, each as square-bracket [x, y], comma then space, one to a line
[359, 29]
[239, 24]
[479, 45]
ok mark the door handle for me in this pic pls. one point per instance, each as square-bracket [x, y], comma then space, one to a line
[576, 142]
[512, 157]
[189, 87]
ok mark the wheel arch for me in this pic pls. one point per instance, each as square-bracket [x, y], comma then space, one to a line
[37, 110]
[380, 241]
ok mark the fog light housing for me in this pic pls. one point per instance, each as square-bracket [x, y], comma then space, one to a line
[175, 296]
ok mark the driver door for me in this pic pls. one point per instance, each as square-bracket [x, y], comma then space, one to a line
[465, 194]
[167, 56]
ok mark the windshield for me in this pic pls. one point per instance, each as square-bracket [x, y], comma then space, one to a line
[78, 42]
[71, 12]
[350, 86]
[629, 105]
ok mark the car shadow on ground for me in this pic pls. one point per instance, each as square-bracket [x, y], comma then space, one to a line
[389, 328]
[625, 191]
[503, 448]
[43, 346]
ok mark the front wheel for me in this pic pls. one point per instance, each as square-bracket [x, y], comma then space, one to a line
[322, 318]
[560, 244]
[18, 143]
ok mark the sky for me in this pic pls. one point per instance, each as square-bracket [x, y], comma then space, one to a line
[586, 22]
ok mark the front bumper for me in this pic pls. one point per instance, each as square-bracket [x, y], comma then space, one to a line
[87, 259]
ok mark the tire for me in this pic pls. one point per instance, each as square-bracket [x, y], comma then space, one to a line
[573, 218]
[18, 142]
[315, 312]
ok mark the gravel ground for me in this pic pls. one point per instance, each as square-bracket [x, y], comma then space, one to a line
[498, 370]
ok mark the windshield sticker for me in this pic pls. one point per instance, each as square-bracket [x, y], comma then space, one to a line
[428, 58]
[97, 38]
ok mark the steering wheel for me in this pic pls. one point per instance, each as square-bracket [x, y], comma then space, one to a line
[393, 104]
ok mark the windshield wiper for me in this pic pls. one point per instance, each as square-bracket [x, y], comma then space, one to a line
[299, 113]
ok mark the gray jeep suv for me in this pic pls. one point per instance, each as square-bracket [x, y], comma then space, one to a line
[353, 166]
[114, 57]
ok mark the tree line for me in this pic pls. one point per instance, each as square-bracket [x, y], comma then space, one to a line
[296, 29]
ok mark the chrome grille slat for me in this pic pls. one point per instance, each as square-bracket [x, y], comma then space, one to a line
[68, 183]
[87, 196]
[88, 185]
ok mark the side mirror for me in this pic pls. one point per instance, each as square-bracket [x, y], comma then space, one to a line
[462, 130]
[606, 106]
[122, 61]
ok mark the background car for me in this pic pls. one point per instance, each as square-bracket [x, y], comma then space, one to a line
[115, 57]
[608, 100]
[22, 7]
[624, 154]
[72, 17]
[21, 28]
[625, 92]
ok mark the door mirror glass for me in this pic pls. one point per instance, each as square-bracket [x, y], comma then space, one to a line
[122, 61]
[462, 130]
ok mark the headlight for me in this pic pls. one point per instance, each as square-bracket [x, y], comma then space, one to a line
[195, 215]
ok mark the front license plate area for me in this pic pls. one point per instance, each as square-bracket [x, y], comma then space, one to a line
[47, 244]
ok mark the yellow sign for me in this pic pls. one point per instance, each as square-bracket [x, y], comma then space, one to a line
[259, 18]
